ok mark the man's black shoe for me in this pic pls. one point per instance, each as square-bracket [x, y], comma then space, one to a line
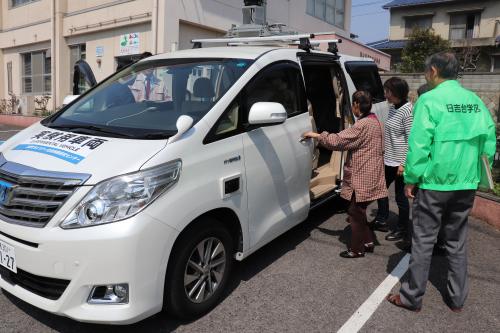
[395, 235]
[379, 226]
[404, 245]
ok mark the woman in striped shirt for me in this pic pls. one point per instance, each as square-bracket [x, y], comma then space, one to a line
[396, 133]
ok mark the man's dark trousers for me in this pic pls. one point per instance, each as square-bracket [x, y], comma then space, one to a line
[431, 209]
[391, 175]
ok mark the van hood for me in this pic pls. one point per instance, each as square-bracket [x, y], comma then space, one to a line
[50, 149]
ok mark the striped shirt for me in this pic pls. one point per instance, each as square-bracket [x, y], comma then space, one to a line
[396, 133]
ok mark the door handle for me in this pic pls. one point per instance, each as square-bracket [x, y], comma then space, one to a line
[304, 140]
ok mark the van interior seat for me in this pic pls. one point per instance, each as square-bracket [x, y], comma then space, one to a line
[338, 96]
[314, 129]
[326, 176]
[203, 94]
[203, 88]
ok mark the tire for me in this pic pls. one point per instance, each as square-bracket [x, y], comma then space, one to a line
[182, 297]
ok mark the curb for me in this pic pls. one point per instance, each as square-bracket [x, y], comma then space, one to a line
[487, 208]
[20, 121]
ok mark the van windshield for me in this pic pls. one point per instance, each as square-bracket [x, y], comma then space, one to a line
[145, 100]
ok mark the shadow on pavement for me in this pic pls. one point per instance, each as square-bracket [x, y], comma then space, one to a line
[242, 271]
[394, 260]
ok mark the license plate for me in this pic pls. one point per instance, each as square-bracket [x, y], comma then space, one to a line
[8, 257]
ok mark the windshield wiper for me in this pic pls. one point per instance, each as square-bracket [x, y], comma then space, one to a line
[155, 136]
[91, 129]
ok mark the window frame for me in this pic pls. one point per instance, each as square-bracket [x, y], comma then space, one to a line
[408, 30]
[477, 18]
[12, 5]
[337, 11]
[243, 110]
[45, 75]
[9, 77]
[82, 85]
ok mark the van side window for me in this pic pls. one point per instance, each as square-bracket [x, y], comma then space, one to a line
[279, 83]
[228, 124]
[229, 120]
[365, 76]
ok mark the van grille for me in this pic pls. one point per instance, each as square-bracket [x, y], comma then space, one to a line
[42, 286]
[34, 196]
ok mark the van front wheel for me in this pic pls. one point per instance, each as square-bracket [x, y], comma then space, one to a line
[201, 265]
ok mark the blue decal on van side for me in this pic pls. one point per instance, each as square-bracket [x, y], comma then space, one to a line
[59, 153]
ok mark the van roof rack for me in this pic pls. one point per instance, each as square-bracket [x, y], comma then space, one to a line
[304, 41]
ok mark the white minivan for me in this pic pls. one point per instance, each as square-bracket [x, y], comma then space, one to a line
[138, 195]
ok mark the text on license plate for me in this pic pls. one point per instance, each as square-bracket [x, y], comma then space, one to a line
[8, 256]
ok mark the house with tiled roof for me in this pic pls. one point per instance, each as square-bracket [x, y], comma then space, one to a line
[471, 26]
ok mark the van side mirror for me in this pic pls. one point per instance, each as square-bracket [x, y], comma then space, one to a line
[267, 113]
[183, 124]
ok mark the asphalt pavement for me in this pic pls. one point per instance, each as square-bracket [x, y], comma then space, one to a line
[6, 131]
[298, 283]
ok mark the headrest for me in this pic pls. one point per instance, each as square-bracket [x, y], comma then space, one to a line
[203, 88]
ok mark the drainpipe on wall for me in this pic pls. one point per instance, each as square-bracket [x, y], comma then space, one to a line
[154, 27]
[53, 55]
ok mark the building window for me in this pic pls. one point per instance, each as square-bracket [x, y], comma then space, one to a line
[421, 22]
[17, 3]
[465, 25]
[78, 52]
[330, 11]
[9, 77]
[36, 73]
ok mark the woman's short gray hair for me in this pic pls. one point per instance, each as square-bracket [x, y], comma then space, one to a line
[446, 64]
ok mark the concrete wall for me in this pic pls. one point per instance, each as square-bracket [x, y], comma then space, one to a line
[441, 17]
[26, 14]
[486, 85]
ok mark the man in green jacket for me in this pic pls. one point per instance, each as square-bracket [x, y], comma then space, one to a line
[452, 129]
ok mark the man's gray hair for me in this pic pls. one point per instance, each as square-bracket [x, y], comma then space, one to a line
[446, 64]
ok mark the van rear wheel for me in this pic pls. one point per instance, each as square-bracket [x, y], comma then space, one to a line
[199, 271]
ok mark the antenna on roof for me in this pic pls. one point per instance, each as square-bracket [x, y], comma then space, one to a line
[255, 22]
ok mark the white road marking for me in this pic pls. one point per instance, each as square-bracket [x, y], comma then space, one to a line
[365, 311]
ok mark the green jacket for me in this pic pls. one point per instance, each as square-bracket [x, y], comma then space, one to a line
[451, 129]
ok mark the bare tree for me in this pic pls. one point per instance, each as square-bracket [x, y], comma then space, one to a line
[469, 57]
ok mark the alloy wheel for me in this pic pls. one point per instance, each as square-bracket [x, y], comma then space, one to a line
[204, 270]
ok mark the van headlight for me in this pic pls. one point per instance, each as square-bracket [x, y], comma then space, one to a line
[121, 197]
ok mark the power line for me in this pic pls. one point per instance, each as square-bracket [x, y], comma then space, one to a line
[369, 3]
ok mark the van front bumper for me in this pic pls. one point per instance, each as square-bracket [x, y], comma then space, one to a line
[133, 252]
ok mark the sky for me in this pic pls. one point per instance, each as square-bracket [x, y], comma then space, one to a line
[369, 21]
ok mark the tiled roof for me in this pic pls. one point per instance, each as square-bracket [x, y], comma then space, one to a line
[377, 42]
[404, 3]
[388, 44]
